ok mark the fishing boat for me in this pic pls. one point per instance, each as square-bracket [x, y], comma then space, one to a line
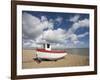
[48, 54]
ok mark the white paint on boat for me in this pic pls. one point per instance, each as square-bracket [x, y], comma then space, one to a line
[50, 56]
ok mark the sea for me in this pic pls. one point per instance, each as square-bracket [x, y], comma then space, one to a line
[78, 51]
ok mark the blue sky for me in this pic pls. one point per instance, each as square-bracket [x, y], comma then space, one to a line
[66, 30]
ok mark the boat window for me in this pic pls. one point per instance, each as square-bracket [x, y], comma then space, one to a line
[48, 45]
[44, 46]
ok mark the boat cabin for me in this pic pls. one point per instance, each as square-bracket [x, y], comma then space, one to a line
[47, 46]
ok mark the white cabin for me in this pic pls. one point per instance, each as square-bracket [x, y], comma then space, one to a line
[47, 46]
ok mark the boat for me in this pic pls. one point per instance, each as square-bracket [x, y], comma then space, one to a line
[48, 54]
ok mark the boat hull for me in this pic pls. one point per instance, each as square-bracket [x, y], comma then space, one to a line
[50, 56]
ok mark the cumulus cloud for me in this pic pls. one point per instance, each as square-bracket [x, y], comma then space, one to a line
[83, 35]
[33, 26]
[43, 18]
[40, 30]
[75, 38]
[55, 36]
[59, 19]
[27, 43]
[75, 18]
[58, 46]
[79, 24]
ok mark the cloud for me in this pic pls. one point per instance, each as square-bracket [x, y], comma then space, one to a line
[43, 18]
[75, 18]
[79, 24]
[33, 26]
[59, 19]
[84, 22]
[58, 46]
[73, 37]
[55, 36]
[27, 43]
[40, 30]
[83, 35]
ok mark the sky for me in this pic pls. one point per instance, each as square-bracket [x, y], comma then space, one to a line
[61, 30]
